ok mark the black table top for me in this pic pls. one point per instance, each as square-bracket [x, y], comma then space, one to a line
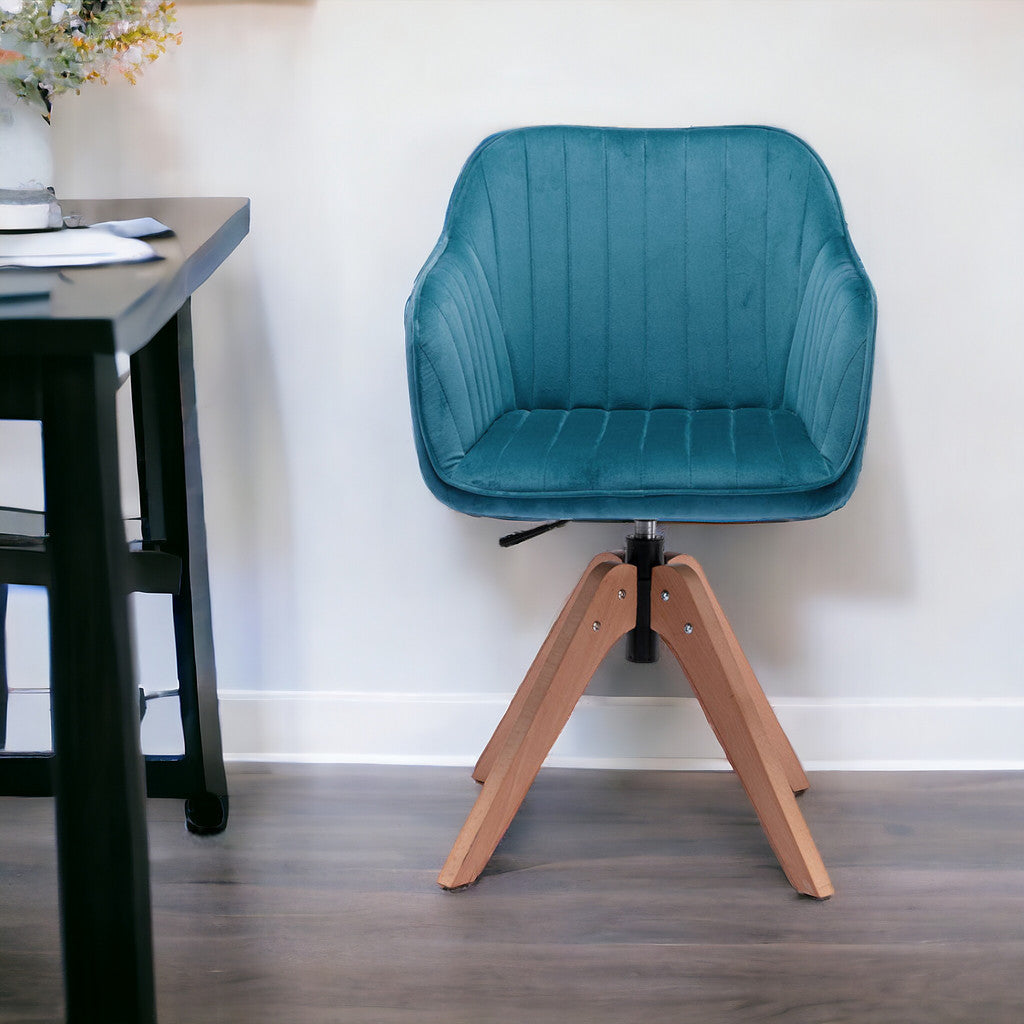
[118, 308]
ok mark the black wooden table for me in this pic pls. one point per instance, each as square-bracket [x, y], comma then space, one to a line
[59, 363]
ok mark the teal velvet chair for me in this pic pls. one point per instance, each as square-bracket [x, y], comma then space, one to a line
[642, 325]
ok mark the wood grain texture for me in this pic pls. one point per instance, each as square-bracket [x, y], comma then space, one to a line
[723, 681]
[614, 898]
[526, 688]
[601, 612]
[787, 755]
[693, 628]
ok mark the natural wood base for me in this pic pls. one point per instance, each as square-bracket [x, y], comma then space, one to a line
[685, 612]
[689, 619]
[536, 673]
[790, 762]
[600, 612]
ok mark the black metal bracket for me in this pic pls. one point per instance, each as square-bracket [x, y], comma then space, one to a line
[645, 553]
[145, 698]
[644, 549]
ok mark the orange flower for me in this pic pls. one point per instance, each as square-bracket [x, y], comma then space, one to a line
[10, 56]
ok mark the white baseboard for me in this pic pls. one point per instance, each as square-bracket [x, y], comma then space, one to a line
[618, 732]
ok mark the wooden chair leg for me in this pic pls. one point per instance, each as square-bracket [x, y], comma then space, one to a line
[787, 755]
[692, 625]
[602, 611]
[490, 753]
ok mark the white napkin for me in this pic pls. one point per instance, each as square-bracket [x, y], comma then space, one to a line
[141, 227]
[85, 247]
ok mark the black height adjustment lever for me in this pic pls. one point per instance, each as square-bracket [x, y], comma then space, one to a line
[511, 539]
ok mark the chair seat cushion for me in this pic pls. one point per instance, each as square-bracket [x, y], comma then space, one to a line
[596, 453]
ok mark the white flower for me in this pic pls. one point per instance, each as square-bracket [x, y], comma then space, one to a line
[57, 45]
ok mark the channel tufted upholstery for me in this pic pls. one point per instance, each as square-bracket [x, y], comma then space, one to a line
[642, 324]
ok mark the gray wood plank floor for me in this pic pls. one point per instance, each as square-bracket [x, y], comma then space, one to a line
[615, 897]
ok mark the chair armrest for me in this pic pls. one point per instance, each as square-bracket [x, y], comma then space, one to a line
[460, 378]
[828, 379]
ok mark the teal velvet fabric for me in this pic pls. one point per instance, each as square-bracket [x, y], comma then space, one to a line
[642, 324]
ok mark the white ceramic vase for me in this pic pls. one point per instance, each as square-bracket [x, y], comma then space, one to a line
[26, 165]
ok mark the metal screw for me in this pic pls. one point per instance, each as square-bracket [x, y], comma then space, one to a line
[664, 595]
[622, 595]
[688, 628]
[596, 626]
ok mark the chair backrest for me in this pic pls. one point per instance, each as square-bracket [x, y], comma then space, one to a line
[646, 268]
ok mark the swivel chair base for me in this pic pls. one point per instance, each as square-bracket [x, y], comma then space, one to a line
[686, 615]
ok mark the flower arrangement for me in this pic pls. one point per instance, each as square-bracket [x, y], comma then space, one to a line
[52, 46]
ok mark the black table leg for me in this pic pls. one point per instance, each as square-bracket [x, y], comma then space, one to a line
[98, 781]
[171, 491]
[3, 665]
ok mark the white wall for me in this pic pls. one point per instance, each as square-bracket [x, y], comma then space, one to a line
[357, 617]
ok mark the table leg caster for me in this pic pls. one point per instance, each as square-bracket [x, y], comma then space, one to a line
[207, 814]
